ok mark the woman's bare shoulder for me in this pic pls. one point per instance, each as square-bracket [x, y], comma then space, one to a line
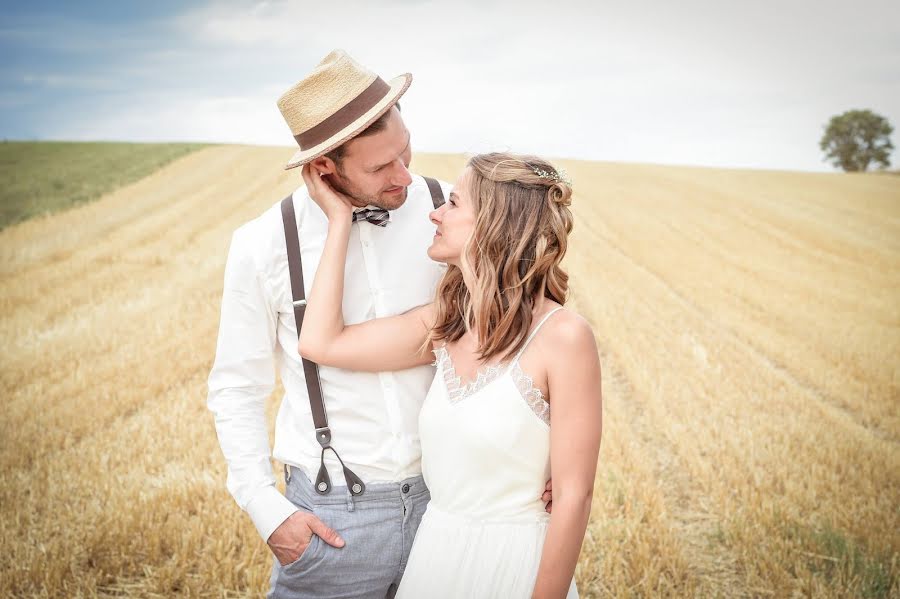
[572, 359]
[570, 335]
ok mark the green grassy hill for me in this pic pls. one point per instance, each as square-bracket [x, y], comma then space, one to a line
[44, 177]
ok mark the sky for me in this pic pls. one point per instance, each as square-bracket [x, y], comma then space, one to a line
[724, 84]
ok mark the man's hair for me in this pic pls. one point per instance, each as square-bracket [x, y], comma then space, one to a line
[337, 154]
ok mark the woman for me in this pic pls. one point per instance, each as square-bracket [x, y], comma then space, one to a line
[506, 353]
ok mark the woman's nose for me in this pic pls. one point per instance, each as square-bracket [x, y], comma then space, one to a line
[435, 215]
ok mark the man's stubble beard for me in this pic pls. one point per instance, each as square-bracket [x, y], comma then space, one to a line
[344, 186]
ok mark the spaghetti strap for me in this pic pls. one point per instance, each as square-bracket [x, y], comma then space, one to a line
[534, 332]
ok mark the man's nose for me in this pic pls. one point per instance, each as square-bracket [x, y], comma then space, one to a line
[402, 177]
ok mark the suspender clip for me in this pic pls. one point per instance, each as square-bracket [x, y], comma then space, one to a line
[323, 482]
[323, 436]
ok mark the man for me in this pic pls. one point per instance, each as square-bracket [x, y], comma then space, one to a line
[337, 544]
[345, 541]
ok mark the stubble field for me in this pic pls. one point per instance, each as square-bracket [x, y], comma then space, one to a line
[749, 330]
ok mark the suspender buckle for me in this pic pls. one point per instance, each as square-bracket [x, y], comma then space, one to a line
[323, 436]
[355, 484]
[323, 481]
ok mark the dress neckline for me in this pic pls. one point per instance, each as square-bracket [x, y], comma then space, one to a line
[457, 394]
[483, 376]
[489, 373]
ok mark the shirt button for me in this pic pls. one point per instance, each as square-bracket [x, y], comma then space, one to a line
[405, 488]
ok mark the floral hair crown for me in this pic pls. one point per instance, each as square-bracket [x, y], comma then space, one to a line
[557, 176]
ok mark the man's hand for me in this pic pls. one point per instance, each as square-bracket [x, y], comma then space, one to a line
[293, 536]
[547, 497]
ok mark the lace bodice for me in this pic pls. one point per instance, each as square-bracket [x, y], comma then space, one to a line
[486, 375]
[457, 392]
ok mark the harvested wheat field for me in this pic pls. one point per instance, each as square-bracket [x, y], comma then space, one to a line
[749, 329]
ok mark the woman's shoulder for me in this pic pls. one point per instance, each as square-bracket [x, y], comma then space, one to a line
[568, 333]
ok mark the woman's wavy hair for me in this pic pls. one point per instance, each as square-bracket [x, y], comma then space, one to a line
[522, 223]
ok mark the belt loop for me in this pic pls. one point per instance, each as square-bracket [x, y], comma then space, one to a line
[351, 505]
[287, 474]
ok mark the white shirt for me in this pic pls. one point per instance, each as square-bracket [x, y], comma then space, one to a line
[373, 416]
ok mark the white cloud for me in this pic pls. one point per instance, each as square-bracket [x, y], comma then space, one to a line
[726, 84]
[251, 119]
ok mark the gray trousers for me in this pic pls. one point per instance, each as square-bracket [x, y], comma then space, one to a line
[378, 528]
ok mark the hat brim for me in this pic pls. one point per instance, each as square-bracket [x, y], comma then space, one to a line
[398, 86]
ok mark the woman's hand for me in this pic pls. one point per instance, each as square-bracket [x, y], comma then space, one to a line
[333, 203]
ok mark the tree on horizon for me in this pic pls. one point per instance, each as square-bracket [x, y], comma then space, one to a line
[857, 138]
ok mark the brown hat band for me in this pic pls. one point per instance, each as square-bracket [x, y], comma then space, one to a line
[348, 113]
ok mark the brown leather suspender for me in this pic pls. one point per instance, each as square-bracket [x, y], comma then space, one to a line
[310, 369]
[437, 194]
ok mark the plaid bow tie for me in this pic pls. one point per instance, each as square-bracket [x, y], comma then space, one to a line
[376, 216]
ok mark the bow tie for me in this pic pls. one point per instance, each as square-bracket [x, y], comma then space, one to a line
[376, 216]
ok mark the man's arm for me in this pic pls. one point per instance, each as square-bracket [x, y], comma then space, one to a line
[242, 378]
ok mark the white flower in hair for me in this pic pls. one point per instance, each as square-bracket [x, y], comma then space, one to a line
[559, 176]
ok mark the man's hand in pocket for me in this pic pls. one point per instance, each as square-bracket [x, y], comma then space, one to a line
[293, 536]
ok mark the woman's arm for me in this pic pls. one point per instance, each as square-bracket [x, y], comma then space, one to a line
[575, 428]
[392, 343]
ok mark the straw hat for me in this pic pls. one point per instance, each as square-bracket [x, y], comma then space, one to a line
[334, 103]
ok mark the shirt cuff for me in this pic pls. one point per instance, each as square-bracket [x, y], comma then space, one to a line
[268, 509]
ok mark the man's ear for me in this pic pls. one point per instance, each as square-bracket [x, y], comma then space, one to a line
[324, 164]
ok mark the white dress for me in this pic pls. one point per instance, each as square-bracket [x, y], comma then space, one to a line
[486, 459]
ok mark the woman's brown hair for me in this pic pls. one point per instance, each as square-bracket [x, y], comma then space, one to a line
[522, 223]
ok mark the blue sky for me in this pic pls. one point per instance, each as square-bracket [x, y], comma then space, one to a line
[732, 84]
